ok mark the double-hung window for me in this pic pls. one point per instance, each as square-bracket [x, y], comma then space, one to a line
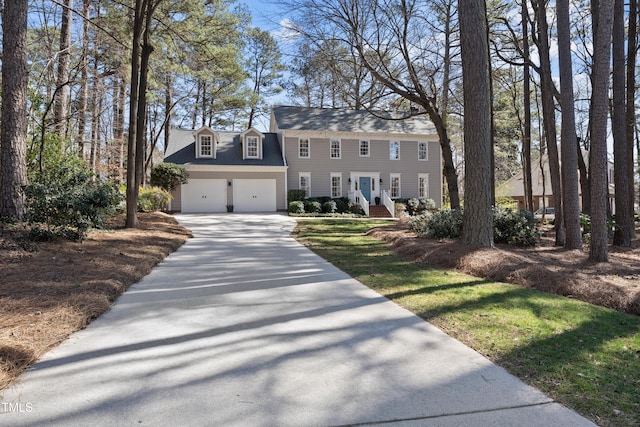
[394, 150]
[206, 146]
[336, 152]
[304, 150]
[423, 185]
[423, 153]
[364, 148]
[252, 147]
[336, 184]
[305, 183]
[395, 186]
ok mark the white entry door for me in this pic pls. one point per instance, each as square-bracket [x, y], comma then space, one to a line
[204, 196]
[254, 195]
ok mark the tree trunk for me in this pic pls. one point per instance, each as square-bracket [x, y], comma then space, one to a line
[62, 81]
[477, 226]
[548, 116]
[132, 183]
[13, 135]
[526, 134]
[84, 82]
[570, 196]
[168, 106]
[598, 154]
[632, 50]
[624, 216]
[95, 117]
[147, 49]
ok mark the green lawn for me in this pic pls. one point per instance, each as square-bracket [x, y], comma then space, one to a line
[584, 356]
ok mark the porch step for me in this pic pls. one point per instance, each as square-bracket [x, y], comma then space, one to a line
[378, 211]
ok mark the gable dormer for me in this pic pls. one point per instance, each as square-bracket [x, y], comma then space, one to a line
[206, 143]
[251, 140]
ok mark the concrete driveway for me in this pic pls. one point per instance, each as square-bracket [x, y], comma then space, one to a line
[245, 327]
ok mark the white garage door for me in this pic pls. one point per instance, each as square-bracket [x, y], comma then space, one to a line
[204, 195]
[254, 195]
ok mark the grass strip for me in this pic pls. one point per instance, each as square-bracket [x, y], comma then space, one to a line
[584, 356]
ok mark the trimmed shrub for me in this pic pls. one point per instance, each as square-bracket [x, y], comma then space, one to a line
[342, 204]
[296, 207]
[152, 199]
[295, 196]
[329, 206]
[312, 206]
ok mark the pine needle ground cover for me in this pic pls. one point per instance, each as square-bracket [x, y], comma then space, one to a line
[584, 356]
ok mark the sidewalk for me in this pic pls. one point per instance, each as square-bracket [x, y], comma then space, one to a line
[243, 326]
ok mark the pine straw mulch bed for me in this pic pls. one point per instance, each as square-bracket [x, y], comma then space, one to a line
[615, 284]
[49, 290]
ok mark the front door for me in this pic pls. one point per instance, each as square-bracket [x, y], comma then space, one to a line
[365, 187]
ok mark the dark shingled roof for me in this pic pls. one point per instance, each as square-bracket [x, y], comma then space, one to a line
[342, 120]
[182, 150]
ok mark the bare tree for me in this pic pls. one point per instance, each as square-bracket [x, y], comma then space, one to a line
[598, 155]
[13, 163]
[477, 225]
[569, 140]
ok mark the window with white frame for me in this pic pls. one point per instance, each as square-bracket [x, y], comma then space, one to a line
[364, 148]
[395, 186]
[304, 151]
[394, 150]
[206, 146]
[305, 183]
[252, 147]
[423, 185]
[336, 151]
[336, 185]
[423, 153]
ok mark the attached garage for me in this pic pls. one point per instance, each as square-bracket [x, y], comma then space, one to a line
[254, 195]
[204, 196]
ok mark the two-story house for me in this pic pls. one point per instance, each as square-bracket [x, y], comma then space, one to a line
[326, 152]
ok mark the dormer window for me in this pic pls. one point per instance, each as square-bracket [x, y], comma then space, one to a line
[252, 147]
[206, 140]
[251, 141]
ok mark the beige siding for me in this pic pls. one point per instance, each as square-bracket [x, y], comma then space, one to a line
[281, 197]
[320, 165]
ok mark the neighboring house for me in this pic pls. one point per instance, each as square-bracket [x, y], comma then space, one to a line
[326, 152]
[541, 185]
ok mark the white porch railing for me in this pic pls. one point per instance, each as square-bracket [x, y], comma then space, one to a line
[359, 198]
[388, 203]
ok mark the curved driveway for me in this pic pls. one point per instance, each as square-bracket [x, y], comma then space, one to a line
[245, 327]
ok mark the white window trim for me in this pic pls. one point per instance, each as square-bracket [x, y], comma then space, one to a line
[308, 176]
[335, 175]
[391, 145]
[426, 188]
[426, 157]
[339, 148]
[257, 141]
[368, 148]
[399, 176]
[212, 140]
[308, 148]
